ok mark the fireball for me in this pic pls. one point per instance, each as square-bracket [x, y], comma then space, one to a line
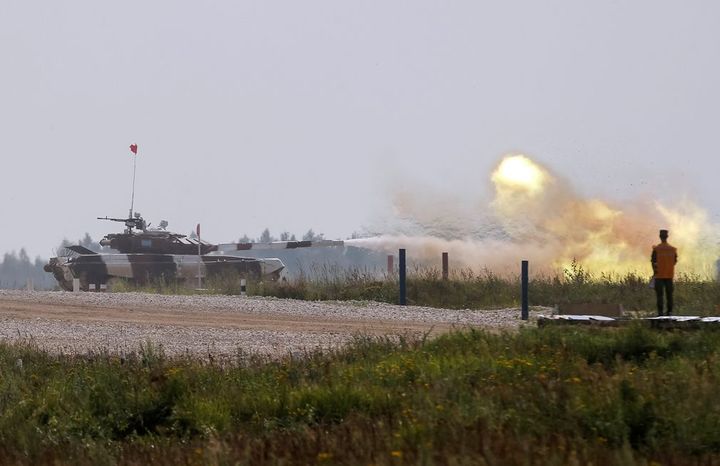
[536, 207]
[518, 172]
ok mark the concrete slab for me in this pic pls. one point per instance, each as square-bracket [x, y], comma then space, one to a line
[596, 309]
[660, 322]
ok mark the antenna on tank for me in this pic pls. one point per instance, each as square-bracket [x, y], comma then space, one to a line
[133, 149]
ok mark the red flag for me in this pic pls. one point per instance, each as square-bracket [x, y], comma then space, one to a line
[133, 148]
[198, 230]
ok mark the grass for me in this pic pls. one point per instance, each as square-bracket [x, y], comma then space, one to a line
[466, 289]
[540, 396]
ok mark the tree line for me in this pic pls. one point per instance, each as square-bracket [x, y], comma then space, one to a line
[16, 269]
[267, 237]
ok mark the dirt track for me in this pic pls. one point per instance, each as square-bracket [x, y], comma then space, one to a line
[217, 325]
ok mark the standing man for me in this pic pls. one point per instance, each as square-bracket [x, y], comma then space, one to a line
[663, 259]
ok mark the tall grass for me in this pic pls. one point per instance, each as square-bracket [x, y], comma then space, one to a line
[465, 289]
[541, 396]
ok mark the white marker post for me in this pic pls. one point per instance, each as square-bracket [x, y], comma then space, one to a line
[199, 257]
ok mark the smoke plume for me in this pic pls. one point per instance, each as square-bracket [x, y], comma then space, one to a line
[537, 215]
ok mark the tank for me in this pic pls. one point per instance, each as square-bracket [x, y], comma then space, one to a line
[143, 255]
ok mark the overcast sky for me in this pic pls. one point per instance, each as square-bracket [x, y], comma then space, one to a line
[296, 115]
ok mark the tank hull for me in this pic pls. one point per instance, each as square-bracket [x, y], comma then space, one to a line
[142, 269]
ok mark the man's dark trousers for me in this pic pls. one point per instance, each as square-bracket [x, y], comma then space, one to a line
[664, 285]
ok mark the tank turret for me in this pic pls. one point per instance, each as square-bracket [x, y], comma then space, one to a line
[138, 238]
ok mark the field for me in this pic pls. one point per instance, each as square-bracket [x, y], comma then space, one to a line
[398, 385]
[467, 289]
[538, 396]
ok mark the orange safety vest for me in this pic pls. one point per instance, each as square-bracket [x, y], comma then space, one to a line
[664, 258]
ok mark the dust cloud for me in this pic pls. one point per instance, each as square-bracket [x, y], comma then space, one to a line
[537, 215]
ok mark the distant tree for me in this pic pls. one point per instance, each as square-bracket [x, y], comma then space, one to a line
[245, 239]
[39, 263]
[91, 244]
[266, 237]
[285, 236]
[311, 236]
[64, 243]
[23, 256]
[87, 242]
[17, 271]
[292, 238]
[10, 270]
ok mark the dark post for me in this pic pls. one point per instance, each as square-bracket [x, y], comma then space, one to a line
[401, 260]
[524, 290]
[445, 265]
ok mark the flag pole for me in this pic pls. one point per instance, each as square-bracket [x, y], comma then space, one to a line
[133, 149]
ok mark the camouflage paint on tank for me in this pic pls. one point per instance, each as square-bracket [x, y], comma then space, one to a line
[143, 269]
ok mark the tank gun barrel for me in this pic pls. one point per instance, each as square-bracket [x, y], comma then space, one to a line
[233, 247]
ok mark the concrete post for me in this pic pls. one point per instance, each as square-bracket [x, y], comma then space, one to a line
[524, 290]
[243, 289]
[403, 277]
[390, 264]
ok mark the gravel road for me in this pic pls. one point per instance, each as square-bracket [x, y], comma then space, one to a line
[220, 326]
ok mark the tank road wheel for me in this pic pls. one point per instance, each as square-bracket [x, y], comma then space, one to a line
[65, 285]
[84, 285]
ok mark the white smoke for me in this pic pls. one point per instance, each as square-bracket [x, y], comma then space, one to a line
[538, 216]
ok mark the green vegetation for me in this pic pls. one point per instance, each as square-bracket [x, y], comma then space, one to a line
[468, 290]
[540, 396]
